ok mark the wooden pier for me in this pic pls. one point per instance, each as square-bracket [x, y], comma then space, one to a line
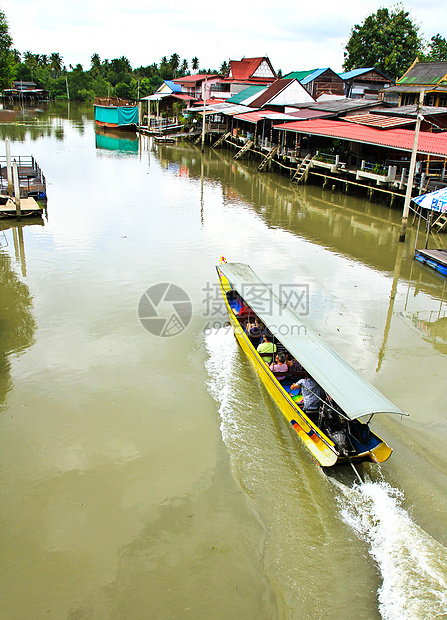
[31, 179]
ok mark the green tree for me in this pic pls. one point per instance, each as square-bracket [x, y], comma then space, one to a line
[174, 62]
[437, 48]
[195, 63]
[223, 68]
[387, 40]
[184, 68]
[6, 55]
[56, 64]
[96, 64]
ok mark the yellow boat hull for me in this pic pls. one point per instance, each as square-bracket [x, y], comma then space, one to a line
[319, 445]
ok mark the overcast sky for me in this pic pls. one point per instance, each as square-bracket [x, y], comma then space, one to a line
[295, 35]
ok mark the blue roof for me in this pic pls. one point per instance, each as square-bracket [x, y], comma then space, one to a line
[313, 75]
[176, 88]
[354, 73]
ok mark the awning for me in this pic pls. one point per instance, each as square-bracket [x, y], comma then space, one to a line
[435, 201]
[350, 391]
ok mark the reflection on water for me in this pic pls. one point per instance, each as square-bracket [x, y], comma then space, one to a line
[19, 123]
[124, 141]
[214, 509]
[16, 318]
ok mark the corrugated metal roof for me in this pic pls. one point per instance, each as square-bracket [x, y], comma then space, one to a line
[299, 75]
[247, 93]
[342, 105]
[354, 73]
[272, 91]
[425, 73]
[381, 122]
[176, 88]
[307, 114]
[411, 111]
[259, 115]
[399, 139]
[312, 76]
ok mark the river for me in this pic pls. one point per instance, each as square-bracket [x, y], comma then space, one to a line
[151, 476]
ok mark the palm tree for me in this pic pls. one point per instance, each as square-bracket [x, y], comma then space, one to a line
[56, 64]
[223, 68]
[174, 61]
[195, 63]
[184, 67]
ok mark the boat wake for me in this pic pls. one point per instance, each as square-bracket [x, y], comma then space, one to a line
[411, 563]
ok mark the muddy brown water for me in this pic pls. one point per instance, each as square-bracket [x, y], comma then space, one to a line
[147, 476]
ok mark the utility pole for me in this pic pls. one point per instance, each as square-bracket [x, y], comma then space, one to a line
[406, 210]
[204, 117]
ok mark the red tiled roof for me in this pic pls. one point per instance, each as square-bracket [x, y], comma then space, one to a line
[399, 139]
[193, 79]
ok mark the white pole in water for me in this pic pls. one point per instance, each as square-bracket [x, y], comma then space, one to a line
[15, 174]
[8, 167]
[204, 117]
[406, 210]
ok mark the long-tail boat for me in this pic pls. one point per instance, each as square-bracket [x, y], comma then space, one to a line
[334, 433]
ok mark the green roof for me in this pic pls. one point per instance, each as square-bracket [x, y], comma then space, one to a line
[246, 93]
[427, 72]
[298, 75]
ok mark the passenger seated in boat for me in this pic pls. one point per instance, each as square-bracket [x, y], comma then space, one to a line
[244, 311]
[293, 364]
[279, 368]
[312, 393]
[266, 349]
[254, 330]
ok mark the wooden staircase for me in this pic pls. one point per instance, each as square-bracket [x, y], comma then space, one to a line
[222, 138]
[268, 158]
[440, 223]
[247, 146]
[302, 169]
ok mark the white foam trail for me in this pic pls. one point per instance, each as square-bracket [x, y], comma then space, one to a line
[412, 565]
[222, 349]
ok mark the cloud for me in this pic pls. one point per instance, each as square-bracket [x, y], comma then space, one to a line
[295, 35]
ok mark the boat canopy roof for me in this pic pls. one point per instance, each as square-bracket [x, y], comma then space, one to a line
[350, 391]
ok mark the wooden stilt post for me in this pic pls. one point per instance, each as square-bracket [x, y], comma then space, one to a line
[15, 174]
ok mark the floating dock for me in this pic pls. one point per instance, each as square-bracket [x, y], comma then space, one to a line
[28, 207]
[436, 259]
